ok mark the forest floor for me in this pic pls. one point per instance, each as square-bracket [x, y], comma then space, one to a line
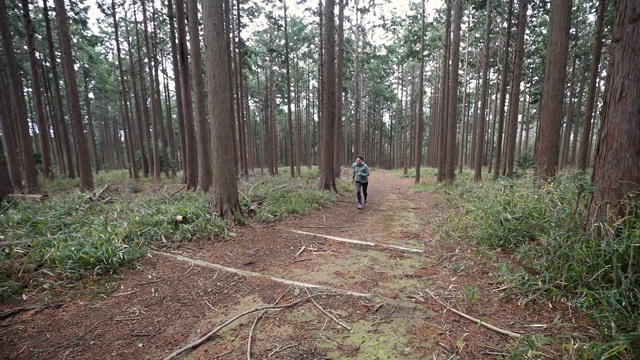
[382, 299]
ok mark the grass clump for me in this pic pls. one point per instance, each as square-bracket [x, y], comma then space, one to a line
[70, 236]
[558, 260]
[280, 195]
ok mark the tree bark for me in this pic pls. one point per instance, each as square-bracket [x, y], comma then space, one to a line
[8, 133]
[503, 94]
[450, 169]
[177, 80]
[548, 141]
[20, 115]
[442, 105]
[36, 82]
[616, 171]
[289, 115]
[583, 154]
[202, 123]
[514, 98]
[327, 179]
[63, 133]
[224, 190]
[125, 98]
[73, 98]
[337, 159]
[420, 112]
[155, 118]
[5, 180]
[358, 95]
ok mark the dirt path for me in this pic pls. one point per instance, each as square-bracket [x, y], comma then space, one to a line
[179, 294]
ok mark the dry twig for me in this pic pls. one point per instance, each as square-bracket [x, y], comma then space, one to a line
[226, 323]
[326, 313]
[478, 322]
[255, 321]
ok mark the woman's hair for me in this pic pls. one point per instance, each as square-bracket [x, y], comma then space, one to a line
[360, 157]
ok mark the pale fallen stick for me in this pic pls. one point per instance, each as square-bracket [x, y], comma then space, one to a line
[255, 321]
[479, 322]
[226, 323]
[255, 274]
[301, 250]
[326, 313]
[359, 242]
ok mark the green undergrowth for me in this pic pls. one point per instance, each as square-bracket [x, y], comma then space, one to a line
[280, 195]
[556, 260]
[68, 236]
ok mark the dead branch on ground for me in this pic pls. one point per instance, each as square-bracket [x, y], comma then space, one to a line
[478, 322]
[326, 313]
[255, 321]
[14, 243]
[8, 206]
[230, 321]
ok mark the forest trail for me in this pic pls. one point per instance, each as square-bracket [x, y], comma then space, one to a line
[374, 301]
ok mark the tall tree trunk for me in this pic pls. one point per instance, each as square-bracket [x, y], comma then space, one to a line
[82, 150]
[8, 133]
[503, 94]
[420, 112]
[16, 93]
[125, 97]
[156, 92]
[450, 170]
[243, 111]
[327, 178]
[36, 82]
[548, 139]
[289, 115]
[146, 128]
[514, 98]
[5, 180]
[358, 90]
[337, 159]
[155, 117]
[616, 172]
[224, 191]
[444, 89]
[92, 134]
[177, 80]
[576, 125]
[566, 134]
[202, 123]
[583, 154]
[63, 133]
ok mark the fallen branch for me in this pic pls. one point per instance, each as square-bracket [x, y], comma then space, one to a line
[95, 196]
[360, 242]
[177, 191]
[230, 321]
[13, 243]
[301, 250]
[16, 311]
[31, 197]
[326, 313]
[8, 206]
[255, 321]
[280, 349]
[255, 274]
[478, 322]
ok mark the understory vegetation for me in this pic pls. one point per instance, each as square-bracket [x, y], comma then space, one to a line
[596, 272]
[67, 235]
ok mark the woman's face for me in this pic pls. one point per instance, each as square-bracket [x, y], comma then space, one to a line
[358, 161]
